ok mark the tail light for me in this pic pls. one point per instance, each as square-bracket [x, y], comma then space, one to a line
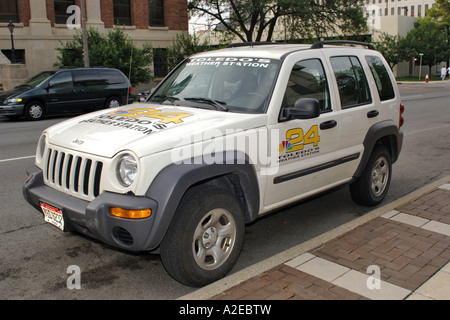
[401, 120]
[131, 90]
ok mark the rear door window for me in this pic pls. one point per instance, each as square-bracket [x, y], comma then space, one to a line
[83, 78]
[351, 81]
[381, 77]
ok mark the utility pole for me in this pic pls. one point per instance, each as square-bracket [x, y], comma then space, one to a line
[84, 33]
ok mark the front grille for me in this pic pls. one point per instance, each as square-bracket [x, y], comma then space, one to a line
[78, 175]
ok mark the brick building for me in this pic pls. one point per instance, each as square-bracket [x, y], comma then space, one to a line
[40, 26]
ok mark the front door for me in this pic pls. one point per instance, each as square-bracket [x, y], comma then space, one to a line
[60, 96]
[308, 148]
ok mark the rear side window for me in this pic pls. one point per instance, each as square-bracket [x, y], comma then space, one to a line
[382, 79]
[111, 77]
[351, 81]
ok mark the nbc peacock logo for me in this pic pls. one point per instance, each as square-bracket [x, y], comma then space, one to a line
[285, 145]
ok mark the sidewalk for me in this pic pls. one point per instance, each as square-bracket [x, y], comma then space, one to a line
[400, 251]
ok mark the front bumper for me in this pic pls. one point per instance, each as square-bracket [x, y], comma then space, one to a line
[93, 218]
[12, 110]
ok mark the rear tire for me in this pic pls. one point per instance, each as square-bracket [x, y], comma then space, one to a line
[372, 186]
[112, 102]
[205, 237]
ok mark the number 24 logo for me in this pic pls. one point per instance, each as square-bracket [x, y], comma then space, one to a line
[295, 137]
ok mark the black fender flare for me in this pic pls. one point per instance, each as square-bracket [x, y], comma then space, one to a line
[386, 131]
[171, 183]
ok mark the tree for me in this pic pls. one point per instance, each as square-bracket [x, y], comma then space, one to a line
[184, 46]
[441, 13]
[430, 38]
[111, 50]
[394, 48]
[256, 20]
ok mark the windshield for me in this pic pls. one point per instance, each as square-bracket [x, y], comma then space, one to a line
[221, 83]
[39, 78]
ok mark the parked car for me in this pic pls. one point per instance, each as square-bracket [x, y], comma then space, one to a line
[66, 91]
[227, 137]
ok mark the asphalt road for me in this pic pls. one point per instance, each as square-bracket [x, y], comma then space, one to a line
[34, 256]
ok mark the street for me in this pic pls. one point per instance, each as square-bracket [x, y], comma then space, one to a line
[35, 257]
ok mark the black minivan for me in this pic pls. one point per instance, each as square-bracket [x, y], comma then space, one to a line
[66, 91]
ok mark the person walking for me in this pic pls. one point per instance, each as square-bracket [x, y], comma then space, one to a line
[443, 73]
[448, 70]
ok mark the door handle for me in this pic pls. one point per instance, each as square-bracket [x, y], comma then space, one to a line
[328, 124]
[372, 114]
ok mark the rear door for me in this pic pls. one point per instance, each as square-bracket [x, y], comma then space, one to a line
[358, 108]
[90, 89]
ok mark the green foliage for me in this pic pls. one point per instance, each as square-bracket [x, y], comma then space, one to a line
[429, 37]
[112, 50]
[259, 20]
[395, 49]
[182, 47]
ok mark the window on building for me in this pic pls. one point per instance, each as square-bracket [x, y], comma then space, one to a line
[412, 11]
[419, 10]
[8, 11]
[61, 14]
[160, 68]
[122, 12]
[156, 13]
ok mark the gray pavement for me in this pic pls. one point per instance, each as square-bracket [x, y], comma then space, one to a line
[400, 251]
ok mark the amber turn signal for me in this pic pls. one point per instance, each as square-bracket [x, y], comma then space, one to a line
[130, 213]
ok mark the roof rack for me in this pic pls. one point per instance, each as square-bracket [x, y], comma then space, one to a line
[320, 44]
[249, 44]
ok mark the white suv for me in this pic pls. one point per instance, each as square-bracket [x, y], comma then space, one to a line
[227, 137]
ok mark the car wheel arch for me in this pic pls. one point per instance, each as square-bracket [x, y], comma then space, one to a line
[172, 183]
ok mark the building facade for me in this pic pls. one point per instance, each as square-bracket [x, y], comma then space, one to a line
[397, 17]
[41, 25]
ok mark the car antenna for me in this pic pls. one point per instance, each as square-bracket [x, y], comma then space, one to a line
[129, 72]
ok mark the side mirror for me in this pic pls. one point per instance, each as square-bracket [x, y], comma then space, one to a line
[304, 108]
[48, 86]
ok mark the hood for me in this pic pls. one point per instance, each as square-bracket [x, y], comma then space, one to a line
[146, 128]
[14, 92]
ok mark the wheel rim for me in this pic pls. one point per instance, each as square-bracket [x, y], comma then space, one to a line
[214, 239]
[380, 176]
[114, 103]
[35, 111]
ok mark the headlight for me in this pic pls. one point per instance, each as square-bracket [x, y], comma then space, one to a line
[127, 169]
[14, 100]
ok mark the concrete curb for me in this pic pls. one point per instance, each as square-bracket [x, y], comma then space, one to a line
[262, 266]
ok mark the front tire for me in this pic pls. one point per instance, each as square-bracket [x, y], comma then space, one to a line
[372, 186]
[205, 237]
[34, 111]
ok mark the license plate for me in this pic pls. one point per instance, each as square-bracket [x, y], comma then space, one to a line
[53, 215]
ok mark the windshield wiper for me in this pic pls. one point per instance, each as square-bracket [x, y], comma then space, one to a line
[218, 105]
[165, 98]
